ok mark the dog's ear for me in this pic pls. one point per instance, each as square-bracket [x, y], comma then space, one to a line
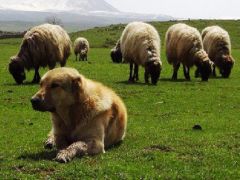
[76, 83]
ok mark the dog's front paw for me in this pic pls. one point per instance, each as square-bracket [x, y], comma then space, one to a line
[49, 144]
[63, 157]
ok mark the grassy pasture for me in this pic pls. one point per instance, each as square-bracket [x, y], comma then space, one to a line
[160, 142]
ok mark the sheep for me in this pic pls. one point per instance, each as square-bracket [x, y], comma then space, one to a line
[217, 44]
[42, 46]
[184, 45]
[81, 47]
[140, 45]
[116, 53]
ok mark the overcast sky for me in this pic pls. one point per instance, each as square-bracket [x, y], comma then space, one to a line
[182, 8]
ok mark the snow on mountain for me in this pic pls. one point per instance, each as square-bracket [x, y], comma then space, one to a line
[57, 5]
[74, 14]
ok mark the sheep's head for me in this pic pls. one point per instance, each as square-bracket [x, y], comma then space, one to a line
[204, 64]
[83, 54]
[16, 68]
[226, 65]
[116, 55]
[206, 69]
[154, 69]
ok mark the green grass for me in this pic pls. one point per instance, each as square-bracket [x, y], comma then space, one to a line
[107, 37]
[160, 142]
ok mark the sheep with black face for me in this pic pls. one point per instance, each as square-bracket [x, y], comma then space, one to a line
[217, 43]
[42, 46]
[140, 45]
[116, 53]
[184, 45]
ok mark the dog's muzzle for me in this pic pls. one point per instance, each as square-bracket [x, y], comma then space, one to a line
[37, 104]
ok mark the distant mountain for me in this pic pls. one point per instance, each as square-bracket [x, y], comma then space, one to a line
[57, 5]
[74, 14]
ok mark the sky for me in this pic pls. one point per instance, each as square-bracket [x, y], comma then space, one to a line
[197, 9]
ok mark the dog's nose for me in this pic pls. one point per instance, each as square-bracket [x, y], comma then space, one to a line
[36, 101]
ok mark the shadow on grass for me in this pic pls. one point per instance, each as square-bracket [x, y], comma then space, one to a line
[171, 80]
[50, 155]
[44, 155]
[18, 85]
[132, 83]
[115, 146]
[217, 77]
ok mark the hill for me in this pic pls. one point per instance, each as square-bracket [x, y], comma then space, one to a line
[107, 36]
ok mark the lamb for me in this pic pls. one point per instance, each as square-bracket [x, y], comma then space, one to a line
[42, 46]
[140, 45]
[116, 53]
[184, 45]
[81, 47]
[217, 44]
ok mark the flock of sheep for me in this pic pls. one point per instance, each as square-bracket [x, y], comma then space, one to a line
[139, 45]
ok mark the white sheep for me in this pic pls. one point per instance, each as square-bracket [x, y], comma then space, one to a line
[140, 45]
[184, 45]
[42, 46]
[81, 47]
[216, 42]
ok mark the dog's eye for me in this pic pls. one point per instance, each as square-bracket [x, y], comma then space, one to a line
[54, 85]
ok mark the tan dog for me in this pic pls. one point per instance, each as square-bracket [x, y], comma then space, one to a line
[87, 117]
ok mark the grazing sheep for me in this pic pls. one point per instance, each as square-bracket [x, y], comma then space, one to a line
[217, 44]
[116, 53]
[184, 45]
[42, 46]
[81, 47]
[140, 45]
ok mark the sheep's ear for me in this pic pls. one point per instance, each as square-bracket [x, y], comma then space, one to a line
[224, 56]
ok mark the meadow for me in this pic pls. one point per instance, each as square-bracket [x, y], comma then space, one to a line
[160, 141]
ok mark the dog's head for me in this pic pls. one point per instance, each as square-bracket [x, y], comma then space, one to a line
[59, 88]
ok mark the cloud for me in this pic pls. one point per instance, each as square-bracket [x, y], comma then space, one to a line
[182, 8]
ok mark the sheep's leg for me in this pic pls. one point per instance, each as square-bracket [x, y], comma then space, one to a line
[131, 78]
[197, 73]
[186, 72]
[76, 56]
[135, 72]
[146, 76]
[36, 78]
[175, 71]
[62, 64]
[214, 71]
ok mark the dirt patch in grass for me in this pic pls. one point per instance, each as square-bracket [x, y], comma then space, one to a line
[161, 148]
[41, 171]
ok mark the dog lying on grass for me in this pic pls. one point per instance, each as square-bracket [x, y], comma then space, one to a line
[87, 117]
